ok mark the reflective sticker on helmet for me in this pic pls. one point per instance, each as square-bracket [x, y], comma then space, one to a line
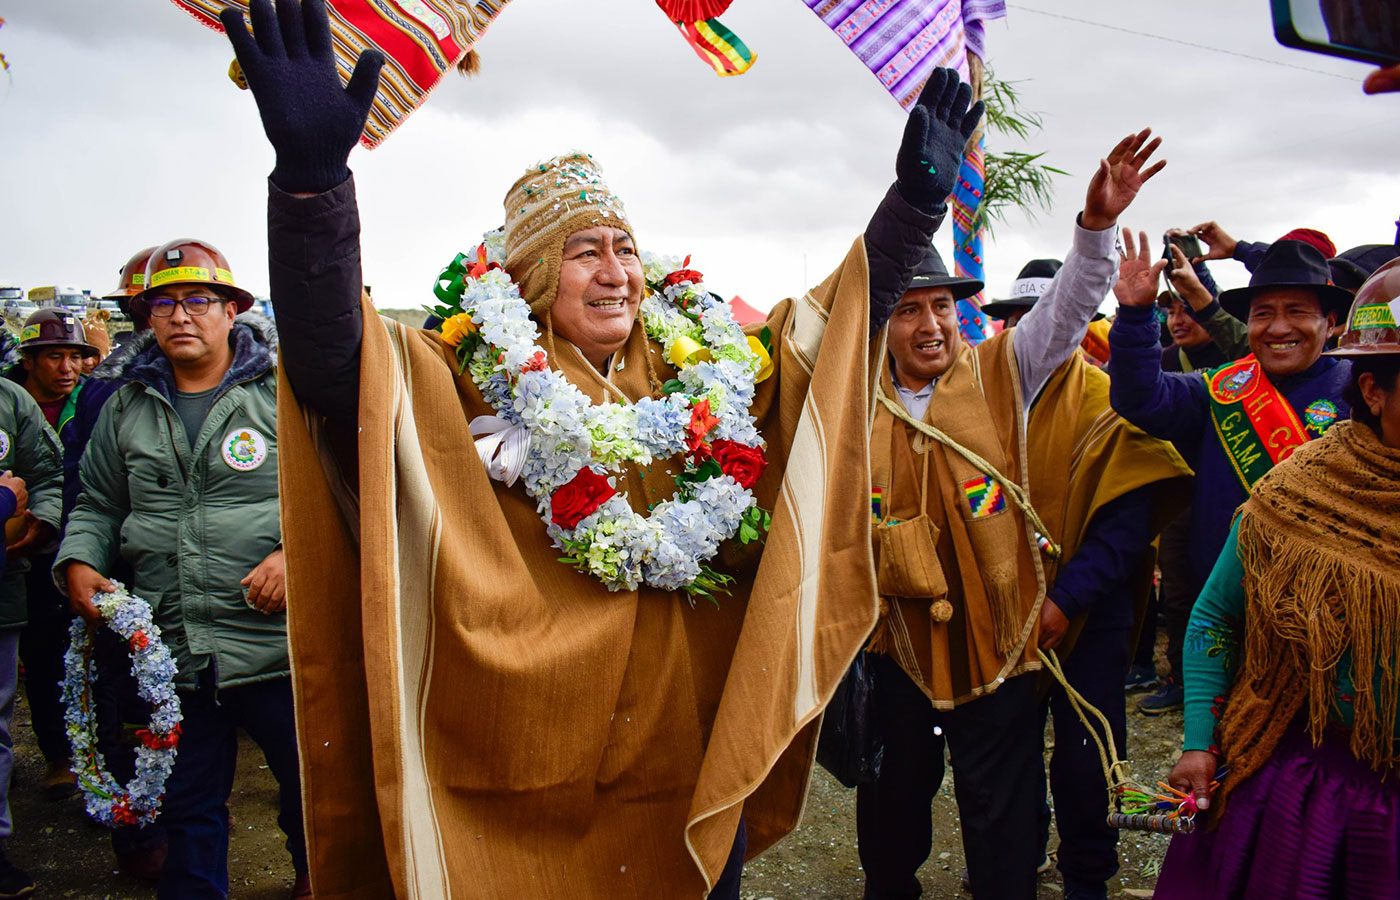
[138, 279]
[1377, 315]
[244, 449]
[4, 444]
[223, 275]
[180, 273]
[29, 333]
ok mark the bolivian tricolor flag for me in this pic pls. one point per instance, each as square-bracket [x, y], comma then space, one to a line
[717, 46]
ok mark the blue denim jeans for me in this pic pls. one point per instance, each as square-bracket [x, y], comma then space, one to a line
[9, 676]
[195, 809]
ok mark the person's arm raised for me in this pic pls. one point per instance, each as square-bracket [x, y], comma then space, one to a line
[926, 171]
[312, 122]
[1054, 327]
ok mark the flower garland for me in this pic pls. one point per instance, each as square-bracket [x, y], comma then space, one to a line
[154, 669]
[575, 449]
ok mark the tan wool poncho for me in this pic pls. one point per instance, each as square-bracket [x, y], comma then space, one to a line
[478, 720]
[980, 561]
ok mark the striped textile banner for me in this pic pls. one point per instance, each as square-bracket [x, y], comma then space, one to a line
[902, 41]
[420, 40]
[967, 244]
[719, 47]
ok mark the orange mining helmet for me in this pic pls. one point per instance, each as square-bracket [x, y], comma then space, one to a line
[1372, 328]
[189, 261]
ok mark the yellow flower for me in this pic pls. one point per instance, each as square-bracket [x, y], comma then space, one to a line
[457, 327]
[765, 362]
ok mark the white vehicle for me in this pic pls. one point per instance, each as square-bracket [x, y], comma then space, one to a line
[19, 309]
[68, 296]
[10, 291]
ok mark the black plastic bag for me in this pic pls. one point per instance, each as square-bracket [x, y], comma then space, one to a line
[850, 747]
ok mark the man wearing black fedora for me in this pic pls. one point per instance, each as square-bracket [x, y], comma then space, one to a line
[1233, 423]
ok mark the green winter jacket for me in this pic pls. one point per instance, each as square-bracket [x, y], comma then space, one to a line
[190, 522]
[30, 449]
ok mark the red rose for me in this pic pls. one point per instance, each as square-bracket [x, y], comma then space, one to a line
[741, 462]
[158, 742]
[701, 422]
[680, 275]
[139, 641]
[577, 500]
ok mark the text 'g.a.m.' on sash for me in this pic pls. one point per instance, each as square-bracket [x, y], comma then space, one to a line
[1254, 422]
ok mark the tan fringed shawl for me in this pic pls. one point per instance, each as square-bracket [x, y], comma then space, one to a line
[1318, 540]
[478, 720]
[1083, 455]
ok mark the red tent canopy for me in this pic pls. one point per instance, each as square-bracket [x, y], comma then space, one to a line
[745, 314]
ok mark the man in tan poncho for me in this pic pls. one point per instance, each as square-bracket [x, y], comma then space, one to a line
[966, 443]
[478, 719]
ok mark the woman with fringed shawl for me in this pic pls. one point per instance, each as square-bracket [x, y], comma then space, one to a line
[1293, 659]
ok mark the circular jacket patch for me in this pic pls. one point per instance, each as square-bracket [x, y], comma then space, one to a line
[4, 444]
[1319, 415]
[244, 449]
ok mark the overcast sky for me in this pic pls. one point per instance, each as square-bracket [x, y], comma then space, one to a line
[121, 129]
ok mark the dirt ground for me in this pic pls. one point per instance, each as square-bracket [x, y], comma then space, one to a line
[69, 856]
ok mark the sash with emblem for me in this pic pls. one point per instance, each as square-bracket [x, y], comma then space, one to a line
[1254, 422]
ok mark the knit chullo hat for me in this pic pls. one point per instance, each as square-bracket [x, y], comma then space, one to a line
[551, 201]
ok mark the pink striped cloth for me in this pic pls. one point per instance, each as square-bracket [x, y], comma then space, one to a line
[902, 41]
[420, 39]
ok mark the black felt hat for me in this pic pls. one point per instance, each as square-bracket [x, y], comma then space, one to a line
[1289, 264]
[1351, 268]
[932, 273]
[1030, 285]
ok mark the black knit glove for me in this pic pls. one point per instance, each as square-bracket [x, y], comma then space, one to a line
[312, 122]
[938, 129]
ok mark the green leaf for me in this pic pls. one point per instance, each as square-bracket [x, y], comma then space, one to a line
[1013, 180]
[765, 337]
[672, 386]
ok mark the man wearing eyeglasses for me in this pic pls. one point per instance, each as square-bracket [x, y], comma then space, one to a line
[180, 480]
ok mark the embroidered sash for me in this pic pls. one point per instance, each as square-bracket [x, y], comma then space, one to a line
[1253, 421]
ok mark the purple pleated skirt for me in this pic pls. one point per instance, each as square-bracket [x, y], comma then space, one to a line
[1315, 823]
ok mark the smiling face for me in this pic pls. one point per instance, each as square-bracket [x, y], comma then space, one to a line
[53, 372]
[923, 336]
[1287, 329]
[1186, 331]
[600, 290]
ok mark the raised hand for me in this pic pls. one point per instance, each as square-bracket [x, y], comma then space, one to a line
[935, 137]
[1219, 245]
[1137, 273]
[1186, 282]
[1118, 180]
[311, 120]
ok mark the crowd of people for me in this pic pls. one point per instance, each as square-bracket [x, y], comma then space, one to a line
[469, 715]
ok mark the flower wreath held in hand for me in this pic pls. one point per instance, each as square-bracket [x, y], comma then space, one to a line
[570, 450]
[108, 802]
